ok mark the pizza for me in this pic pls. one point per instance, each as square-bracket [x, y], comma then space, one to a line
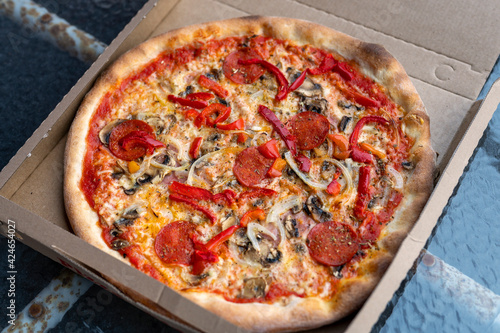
[265, 168]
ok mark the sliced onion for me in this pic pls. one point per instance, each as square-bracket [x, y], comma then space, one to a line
[304, 177]
[330, 147]
[255, 139]
[345, 172]
[169, 168]
[252, 227]
[398, 178]
[257, 95]
[279, 208]
[181, 153]
[191, 174]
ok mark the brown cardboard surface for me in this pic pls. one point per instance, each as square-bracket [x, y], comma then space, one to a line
[442, 74]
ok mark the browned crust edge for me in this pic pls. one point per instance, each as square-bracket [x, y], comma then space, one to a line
[374, 61]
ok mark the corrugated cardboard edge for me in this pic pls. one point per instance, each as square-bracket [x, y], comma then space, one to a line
[414, 243]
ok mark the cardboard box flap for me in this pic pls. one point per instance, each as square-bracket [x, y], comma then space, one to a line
[435, 54]
[431, 24]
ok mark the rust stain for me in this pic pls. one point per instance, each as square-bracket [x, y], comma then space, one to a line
[46, 18]
[7, 7]
[36, 310]
[62, 306]
[66, 281]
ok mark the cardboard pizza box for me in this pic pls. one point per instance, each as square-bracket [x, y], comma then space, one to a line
[427, 37]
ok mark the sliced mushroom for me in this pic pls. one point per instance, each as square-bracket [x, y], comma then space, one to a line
[129, 191]
[229, 221]
[309, 89]
[344, 122]
[157, 123]
[254, 287]
[407, 165]
[274, 255]
[291, 227]
[165, 159]
[106, 130]
[132, 213]
[267, 255]
[119, 244]
[337, 271]
[299, 248]
[314, 207]
[314, 104]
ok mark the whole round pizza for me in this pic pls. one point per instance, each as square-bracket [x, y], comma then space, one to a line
[266, 168]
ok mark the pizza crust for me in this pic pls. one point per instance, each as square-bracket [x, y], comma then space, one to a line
[374, 61]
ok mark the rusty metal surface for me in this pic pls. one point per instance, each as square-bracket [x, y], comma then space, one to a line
[47, 309]
[52, 28]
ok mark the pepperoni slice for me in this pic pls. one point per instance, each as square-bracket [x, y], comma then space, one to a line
[310, 129]
[250, 166]
[332, 243]
[120, 131]
[242, 74]
[174, 245]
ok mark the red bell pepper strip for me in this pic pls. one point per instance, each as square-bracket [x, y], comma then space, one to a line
[269, 149]
[201, 259]
[205, 82]
[334, 187]
[187, 102]
[368, 230]
[141, 138]
[344, 71]
[221, 237]
[191, 192]
[228, 196]
[180, 198]
[278, 126]
[362, 100]
[200, 194]
[199, 120]
[361, 156]
[204, 96]
[327, 64]
[205, 254]
[223, 112]
[194, 150]
[235, 125]
[257, 213]
[353, 139]
[357, 154]
[364, 193]
[280, 78]
[298, 82]
[256, 192]
[304, 163]
[191, 114]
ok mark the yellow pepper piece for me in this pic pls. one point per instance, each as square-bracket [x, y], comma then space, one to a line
[133, 166]
[368, 147]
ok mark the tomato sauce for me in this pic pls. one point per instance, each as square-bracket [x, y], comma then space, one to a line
[169, 61]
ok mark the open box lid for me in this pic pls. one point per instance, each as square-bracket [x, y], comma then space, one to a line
[440, 71]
